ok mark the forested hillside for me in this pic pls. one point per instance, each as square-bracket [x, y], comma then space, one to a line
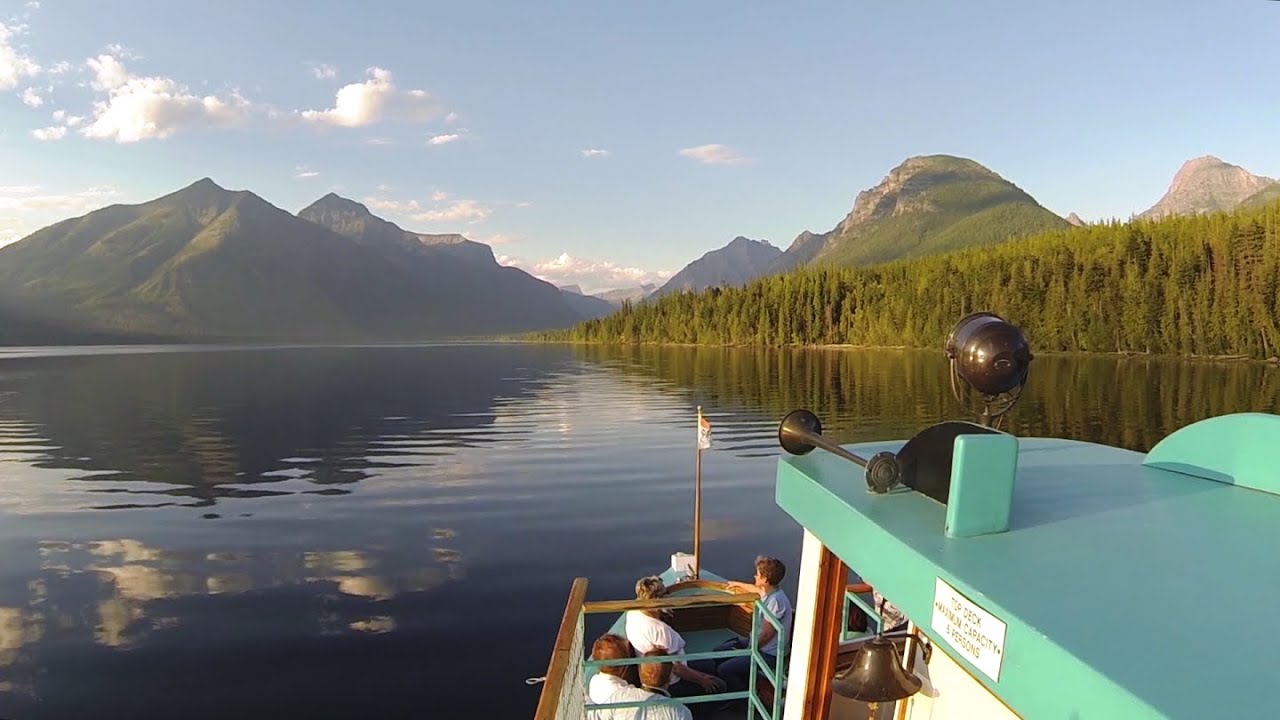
[1203, 285]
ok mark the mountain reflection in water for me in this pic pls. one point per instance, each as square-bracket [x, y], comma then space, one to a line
[391, 531]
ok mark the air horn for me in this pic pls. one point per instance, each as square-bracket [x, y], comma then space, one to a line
[801, 431]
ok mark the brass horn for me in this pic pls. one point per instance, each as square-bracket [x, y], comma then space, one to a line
[801, 431]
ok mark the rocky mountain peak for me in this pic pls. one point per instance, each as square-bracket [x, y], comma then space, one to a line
[1074, 219]
[1207, 184]
[902, 190]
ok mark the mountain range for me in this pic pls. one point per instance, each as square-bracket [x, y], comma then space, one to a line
[937, 203]
[209, 263]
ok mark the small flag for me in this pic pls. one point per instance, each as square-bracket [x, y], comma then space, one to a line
[704, 433]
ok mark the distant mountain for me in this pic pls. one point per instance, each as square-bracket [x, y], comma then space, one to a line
[1266, 196]
[354, 220]
[737, 263]
[802, 251]
[205, 262]
[928, 204]
[586, 306]
[1207, 184]
[634, 294]
[1074, 219]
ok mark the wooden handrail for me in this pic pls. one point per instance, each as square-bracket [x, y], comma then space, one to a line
[670, 602]
[858, 588]
[561, 654]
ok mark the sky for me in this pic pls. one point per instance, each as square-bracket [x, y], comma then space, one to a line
[611, 143]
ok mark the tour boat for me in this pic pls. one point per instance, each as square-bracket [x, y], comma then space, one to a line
[1040, 577]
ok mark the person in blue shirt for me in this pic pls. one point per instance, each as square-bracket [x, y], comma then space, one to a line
[736, 671]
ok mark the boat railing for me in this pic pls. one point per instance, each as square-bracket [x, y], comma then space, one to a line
[564, 695]
[853, 595]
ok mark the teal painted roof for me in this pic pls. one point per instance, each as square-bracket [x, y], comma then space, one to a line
[1128, 591]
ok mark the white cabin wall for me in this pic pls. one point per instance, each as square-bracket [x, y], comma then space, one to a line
[950, 693]
[803, 627]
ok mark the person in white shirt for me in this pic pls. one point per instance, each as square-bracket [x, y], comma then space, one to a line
[736, 671]
[647, 630]
[610, 685]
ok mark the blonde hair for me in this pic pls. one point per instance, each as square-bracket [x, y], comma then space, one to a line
[648, 588]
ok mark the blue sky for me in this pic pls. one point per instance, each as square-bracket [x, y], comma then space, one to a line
[1089, 106]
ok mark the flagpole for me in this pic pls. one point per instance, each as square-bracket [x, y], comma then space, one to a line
[697, 502]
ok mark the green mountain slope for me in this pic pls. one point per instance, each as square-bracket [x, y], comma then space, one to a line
[927, 205]
[208, 263]
[1266, 196]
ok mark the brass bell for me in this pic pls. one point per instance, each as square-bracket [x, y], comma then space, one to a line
[876, 675]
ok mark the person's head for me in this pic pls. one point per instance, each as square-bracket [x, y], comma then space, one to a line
[655, 674]
[612, 647]
[769, 571]
[650, 588]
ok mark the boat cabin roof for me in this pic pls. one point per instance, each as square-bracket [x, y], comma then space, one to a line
[1129, 584]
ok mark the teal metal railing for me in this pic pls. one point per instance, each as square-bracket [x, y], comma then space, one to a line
[759, 666]
[854, 596]
[564, 692]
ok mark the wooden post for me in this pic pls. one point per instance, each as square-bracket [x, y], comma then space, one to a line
[697, 501]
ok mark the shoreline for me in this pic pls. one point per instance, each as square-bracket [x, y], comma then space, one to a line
[1114, 354]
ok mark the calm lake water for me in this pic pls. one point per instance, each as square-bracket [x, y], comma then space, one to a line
[392, 531]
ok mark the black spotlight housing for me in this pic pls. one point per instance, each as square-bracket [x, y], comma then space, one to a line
[991, 356]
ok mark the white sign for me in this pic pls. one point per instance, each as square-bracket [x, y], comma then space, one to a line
[973, 632]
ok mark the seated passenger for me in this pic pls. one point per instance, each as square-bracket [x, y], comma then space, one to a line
[654, 678]
[647, 630]
[609, 685]
[736, 671]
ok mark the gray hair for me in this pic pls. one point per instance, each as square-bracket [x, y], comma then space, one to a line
[650, 587]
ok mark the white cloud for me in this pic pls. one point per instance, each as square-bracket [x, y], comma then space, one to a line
[525, 204]
[304, 172]
[715, 155]
[108, 73]
[595, 152]
[31, 98]
[592, 275]
[382, 188]
[21, 198]
[443, 139]
[33, 4]
[380, 141]
[14, 65]
[499, 239]
[400, 207]
[456, 211]
[62, 118]
[61, 68]
[142, 108]
[23, 210]
[121, 51]
[451, 118]
[53, 132]
[323, 71]
[472, 211]
[374, 100]
[11, 230]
